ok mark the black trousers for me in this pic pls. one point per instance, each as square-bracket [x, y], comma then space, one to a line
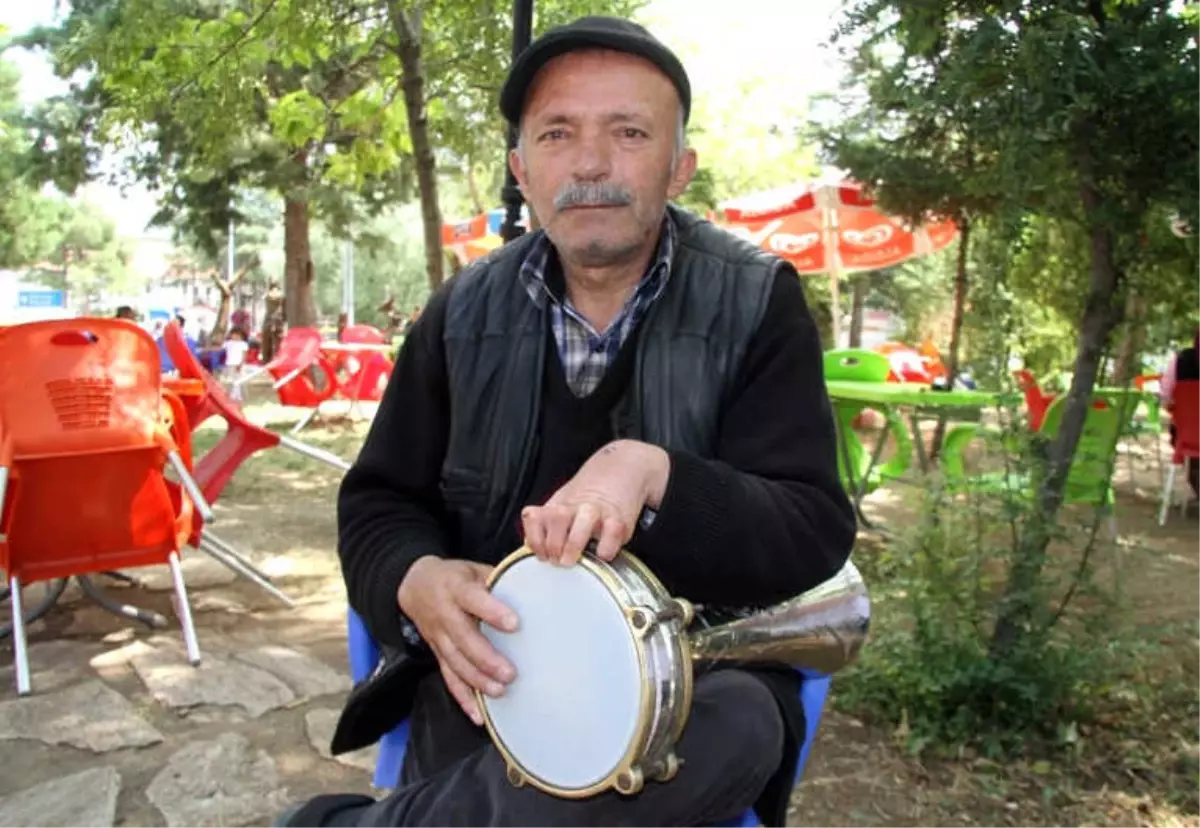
[453, 775]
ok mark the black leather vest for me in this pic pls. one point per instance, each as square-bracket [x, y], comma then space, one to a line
[689, 350]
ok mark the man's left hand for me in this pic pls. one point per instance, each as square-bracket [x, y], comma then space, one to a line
[602, 501]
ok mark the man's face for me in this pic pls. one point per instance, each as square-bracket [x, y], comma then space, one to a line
[598, 160]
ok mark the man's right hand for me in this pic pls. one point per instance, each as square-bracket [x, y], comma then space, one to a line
[446, 599]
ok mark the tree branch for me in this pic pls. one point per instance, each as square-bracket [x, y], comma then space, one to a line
[221, 55]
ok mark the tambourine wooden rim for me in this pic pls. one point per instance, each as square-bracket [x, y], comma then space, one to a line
[626, 776]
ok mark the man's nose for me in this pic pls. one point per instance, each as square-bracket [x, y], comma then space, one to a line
[593, 162]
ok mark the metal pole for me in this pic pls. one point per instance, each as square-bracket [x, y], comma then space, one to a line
[229, 273]
[511, 194]
[348, 281]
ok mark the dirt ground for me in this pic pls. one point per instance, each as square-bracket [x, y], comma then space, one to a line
[280, 510]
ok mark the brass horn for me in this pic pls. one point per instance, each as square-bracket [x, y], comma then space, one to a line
[822, 629]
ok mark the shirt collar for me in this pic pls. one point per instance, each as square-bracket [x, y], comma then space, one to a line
[541, 273]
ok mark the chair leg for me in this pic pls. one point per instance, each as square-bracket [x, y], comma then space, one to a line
[20, 655]
[1187, 479]
[296, 429]
[225, 554]
[184, 610]
[1168, 491]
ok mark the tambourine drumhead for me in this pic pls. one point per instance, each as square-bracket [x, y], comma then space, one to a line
[573, 710]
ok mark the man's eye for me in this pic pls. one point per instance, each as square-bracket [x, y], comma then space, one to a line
[633, 132]
[552, 135]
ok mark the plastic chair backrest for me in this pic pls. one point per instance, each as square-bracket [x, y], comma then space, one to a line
[300, 348]
[1186, 418]
[1089, 478]
[364, 655]
[1036, 401]
[856, 364]
[370, 380]
[80, 408]
[78, 385]
[188, 365]
[242, 438]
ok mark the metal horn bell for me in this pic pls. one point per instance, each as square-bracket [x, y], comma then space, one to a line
[822, 629]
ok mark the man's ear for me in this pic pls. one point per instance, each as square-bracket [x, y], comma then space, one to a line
[685, 171]
[517, 163]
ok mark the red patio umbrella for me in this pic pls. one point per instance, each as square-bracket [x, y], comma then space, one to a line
[831, 226]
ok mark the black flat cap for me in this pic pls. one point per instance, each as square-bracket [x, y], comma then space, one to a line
[590, 33]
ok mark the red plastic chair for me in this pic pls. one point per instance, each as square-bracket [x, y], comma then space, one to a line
[1036, 400]
[294, 370]
[242, 439]
[367, 371]
[370, 380]
[1185, 416]
[82, 449]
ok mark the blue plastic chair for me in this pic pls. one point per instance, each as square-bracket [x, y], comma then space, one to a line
[364, 655]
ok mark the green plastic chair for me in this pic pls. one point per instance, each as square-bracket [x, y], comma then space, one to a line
[861, 365]
[1089, 480]
[845, 412]
[856, 364]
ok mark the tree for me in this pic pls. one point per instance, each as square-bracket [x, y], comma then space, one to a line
[1086, 115]
[208, 100]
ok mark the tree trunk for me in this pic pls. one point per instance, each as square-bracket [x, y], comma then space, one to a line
[956, 323]
[412, 81]
[299, 304]
[858, 301]
[1125, 367]
[1101, 314]
[226, 288]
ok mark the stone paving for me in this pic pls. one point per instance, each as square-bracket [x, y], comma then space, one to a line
[121, 730]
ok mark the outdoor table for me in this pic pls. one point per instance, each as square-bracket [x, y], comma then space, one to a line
[888, 398]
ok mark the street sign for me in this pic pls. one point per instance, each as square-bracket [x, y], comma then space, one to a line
[42, 299]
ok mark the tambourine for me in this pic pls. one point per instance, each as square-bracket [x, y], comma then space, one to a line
[604, 665]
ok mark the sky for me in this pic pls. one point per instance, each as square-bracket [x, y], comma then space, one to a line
[781, 44]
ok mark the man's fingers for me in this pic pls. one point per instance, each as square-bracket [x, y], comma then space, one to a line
[461, 693]
[557, 520]
[467, 671]
[583, 528]
[613, 535]
[476, 600]
[534, 527]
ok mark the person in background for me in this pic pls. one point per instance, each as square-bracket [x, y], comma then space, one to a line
[1184, 366]
[235, 357]
[126, 312]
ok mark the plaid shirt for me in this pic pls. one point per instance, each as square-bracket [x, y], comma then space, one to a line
[585, 352]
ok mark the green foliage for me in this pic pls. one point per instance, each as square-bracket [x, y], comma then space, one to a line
[928, 669]
[389, 261]
[1066, 120]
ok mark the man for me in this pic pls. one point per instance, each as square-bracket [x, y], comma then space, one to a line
[627, 374]
[126, 312]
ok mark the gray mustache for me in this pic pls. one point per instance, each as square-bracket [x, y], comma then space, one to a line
[602, 194]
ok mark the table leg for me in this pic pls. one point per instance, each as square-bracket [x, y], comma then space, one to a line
[919, 443]
[855, 490]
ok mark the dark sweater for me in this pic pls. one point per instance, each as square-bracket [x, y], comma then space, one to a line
[763, 520]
